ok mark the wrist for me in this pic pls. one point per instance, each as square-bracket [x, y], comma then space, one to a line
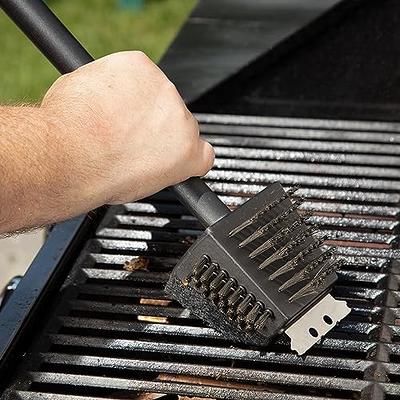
[77, 157]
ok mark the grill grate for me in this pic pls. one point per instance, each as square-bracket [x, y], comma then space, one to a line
[114, 334]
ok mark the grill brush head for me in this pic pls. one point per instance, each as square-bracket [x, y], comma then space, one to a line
[259, 271]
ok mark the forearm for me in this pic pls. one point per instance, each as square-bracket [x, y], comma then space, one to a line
[35, 173]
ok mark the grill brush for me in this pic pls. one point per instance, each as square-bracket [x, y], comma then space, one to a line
[256, 271]
[260, 270]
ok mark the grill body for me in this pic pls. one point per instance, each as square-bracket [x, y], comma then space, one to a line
[91, 320]
[113, 333]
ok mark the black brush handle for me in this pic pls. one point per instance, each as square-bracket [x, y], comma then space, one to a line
[64, 51]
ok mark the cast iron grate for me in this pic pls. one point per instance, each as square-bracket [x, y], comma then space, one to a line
[114, 334]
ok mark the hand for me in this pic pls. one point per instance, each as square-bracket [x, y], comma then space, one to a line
[124, 130]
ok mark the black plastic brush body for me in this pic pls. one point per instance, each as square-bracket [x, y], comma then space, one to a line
[256, 271]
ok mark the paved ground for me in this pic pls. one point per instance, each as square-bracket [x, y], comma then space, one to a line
[16, 254]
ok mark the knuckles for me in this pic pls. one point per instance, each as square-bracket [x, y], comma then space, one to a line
[126, 57]
[140, 57]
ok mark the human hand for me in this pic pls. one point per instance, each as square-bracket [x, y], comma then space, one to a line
[124, 130]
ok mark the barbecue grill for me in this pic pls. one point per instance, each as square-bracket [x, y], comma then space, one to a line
[90, 320]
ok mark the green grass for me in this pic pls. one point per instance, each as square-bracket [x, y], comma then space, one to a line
[100, 25]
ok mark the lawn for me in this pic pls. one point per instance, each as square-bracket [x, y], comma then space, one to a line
[101, 25]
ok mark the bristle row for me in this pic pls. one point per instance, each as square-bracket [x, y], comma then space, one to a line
[285, 250]
[308, 270]
[318, 280]
[267, 208]
[275, 239]
[297, 259]
[263, 230]
[290, 243]
[241, 307]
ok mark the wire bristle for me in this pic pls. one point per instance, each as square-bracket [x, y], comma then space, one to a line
[253, 314]
[306, 272]
[265, 228]
[263, 320]
[241, 307]
[291, 264]
[235, 297]
[225, 291]
[244, 306]
[317, 281]
[200, 268]
[217, 283]
[268, 207]
[274, 240]
[287, 248]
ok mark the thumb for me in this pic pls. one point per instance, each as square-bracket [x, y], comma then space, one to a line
[205, 159]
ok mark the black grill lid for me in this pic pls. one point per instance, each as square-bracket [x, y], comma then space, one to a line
[223, 36]
[344, 65]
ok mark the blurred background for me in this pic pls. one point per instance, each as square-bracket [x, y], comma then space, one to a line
[103, 26]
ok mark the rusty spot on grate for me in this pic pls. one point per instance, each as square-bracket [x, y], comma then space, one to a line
[198, 380]
[136, 264]
[366, 216]
[155, 302]
[194, 398]
[345, 243]
[189, 240]
[150, 396]
[321, 213]
[152, 319]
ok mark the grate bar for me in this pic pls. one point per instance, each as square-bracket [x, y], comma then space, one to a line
[141, 246]
[111, 325]
[298, 133]
[363, 294]
[113, 259]
[330, 147]
[323, 194]
[378, 224]
[365, 277]
[304, 180]
[189, 224]
[137, 234]
[130, 309]
[301, 168]
[389, 211]
[233, 353]
[358, 260]
[149, 277]
[365, 263]
[350, 209]
[306, 156]
[307, 123]
[139, 327]
[134, 385]
[368, 252]
[220, 373]
[24, 395]
[151, 236]
[106, 290]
